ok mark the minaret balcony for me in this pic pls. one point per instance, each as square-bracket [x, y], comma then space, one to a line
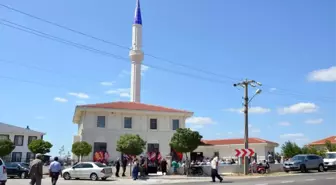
[136, 55]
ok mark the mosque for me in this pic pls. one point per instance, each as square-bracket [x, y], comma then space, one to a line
[102, 124]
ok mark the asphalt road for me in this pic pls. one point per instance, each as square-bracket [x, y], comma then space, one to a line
[328, 178]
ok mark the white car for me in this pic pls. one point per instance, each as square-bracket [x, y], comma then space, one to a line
[87, 170]
[3, 173]
[330, 161]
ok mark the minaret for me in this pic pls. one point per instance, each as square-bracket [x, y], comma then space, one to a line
[136, 54]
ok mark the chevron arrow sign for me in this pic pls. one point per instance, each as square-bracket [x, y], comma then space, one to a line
[244, 152]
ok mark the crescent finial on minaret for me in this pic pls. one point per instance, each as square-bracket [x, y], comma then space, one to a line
[137, 16]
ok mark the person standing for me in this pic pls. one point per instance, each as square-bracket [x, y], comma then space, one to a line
[164, 166]
[135, 170]
[117, 167]
[214, 169]
[142, 166]
[55, 169]
[36, 170]
[124, 165]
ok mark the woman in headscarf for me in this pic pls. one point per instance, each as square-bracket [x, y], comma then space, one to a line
[135, 171]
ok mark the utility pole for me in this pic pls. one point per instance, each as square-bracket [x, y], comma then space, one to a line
[245, 84]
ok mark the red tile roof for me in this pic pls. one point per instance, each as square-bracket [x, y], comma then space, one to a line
[332, 139]
[133, 106]
[236, 141]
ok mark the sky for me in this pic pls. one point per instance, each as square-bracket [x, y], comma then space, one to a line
[194, 52]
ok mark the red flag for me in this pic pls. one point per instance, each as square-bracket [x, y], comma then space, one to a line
[159, 157]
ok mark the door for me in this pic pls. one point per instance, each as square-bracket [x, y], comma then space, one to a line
[75, 169]
[85, 171]
[309, 162]
[11, 171]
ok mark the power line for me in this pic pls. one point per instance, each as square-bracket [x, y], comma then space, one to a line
[113, 43]
[97, 51]
[125, 47]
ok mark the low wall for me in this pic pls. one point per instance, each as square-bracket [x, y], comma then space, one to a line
[229, 169]
[238, 169]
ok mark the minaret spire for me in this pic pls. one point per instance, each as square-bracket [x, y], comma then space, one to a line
[136, 54]
[137, 15]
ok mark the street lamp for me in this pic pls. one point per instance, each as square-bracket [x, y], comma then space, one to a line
[245, 84]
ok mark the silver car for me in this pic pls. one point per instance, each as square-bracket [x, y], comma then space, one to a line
[304, 163]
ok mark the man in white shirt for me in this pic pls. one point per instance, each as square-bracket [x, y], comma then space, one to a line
[214, 169]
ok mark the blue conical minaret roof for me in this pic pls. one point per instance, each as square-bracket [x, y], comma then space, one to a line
[137, 16]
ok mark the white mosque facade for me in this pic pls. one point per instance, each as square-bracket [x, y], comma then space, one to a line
[102, 124]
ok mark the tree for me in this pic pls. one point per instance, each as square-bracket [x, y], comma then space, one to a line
[81, 148]
[40, 146]
[312, 150]
[185, 141]
[131, 144]
[6, 147]
[61, 151]
[290, 149]
[330, 147]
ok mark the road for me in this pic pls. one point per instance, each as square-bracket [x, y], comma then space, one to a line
[327, 178]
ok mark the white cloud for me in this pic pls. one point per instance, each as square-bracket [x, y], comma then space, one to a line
[284, 123]
[292, 136]
[323, 75]
[199, 122]
[107, 83]
[314, 121]
[252, 110]
[298, 138]
[62, 100]
[272, 89]
[144, 68]
[230, 133]
[121, 92]
[124, 73]
[299, 108]
[79, 95]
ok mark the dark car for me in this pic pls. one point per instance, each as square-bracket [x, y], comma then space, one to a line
[17, 169]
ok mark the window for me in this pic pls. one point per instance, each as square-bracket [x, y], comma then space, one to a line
[16, 156]
[29, 156]
[313, 157]
[100, 165]
[153, 147]
[31, 138]
[176, 124]
[153, 124]
[87, 165]
[80, 165]
[18, 140]
[127, 122]
[4, 136]
[101, 121]
[331, 156]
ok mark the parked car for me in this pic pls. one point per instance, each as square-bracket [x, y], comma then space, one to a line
[3, 173]
[17, 169]
[88, 170]
[304, 163]
[330, 161]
